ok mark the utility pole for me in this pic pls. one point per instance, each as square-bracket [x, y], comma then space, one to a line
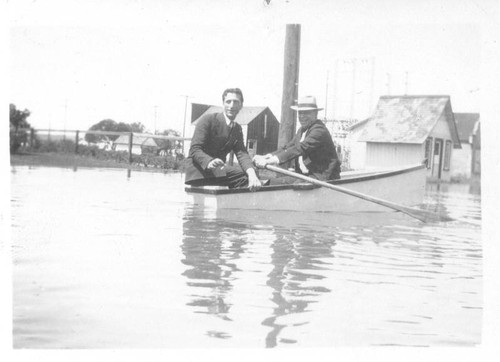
[335, 88]
[353, 93]
[155, 108]
[372, 84]
[326, 94]
[184, 125]
[406, 83]
[290, 83]
[65, 117]
[185, 114]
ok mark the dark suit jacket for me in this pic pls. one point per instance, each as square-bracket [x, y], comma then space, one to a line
[317, 151]
[213, 138]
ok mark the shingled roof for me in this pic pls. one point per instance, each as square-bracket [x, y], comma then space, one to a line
[245, 115]
[408, 119]
[465, 124]
[137, 140]
[357, 124]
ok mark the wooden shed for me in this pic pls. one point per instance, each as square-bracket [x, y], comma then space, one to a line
[260, 126]
[411, 129]
[465, 162]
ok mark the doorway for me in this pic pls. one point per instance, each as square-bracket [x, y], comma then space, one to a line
[437, 158]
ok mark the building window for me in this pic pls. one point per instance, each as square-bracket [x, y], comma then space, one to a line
[447, 155]
[476, 165]
[265, 126]
[428, 152]
[252, 147]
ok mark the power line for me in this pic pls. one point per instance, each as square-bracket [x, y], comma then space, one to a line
[155, 108]
[406, 83]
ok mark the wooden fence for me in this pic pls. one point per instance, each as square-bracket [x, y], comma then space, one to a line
[77, 133]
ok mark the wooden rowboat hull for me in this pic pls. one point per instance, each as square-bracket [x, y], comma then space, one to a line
[405, 186]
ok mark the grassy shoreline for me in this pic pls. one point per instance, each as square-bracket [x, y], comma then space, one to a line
[65, 160]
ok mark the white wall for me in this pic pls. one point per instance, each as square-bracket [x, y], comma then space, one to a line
[357, 149]
[136, 150]
[393, 154]
[461, 161]
[441, 130]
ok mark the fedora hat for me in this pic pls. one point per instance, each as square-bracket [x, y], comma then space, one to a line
[307, 103]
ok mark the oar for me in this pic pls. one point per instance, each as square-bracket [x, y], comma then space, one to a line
[422, 215]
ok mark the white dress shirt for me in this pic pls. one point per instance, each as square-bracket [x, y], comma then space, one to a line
[228, 121]
[302, 165]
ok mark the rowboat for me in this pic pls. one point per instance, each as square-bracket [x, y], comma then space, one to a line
[402, 185]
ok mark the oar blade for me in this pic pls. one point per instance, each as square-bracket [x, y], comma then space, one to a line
[424, 215]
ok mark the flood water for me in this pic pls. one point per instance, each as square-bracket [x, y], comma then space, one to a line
[103, 260]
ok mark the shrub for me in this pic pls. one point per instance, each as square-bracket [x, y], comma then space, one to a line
[17, 139]
[167, 162]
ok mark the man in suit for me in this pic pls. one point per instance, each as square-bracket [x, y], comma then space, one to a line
[312, 148]
[215, 136]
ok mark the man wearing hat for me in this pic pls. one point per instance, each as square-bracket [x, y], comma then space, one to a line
[312, 147]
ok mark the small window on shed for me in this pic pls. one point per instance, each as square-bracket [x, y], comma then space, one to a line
[447, 155]
[252, 147]
[265, 126]
[428, 152]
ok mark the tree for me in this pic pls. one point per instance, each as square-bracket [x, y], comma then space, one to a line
[17, 125]
[168, 145]
[18, 118]
[107, 125]
[111, 126]
[137, 127]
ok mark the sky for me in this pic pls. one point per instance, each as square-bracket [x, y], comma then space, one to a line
[74, 63]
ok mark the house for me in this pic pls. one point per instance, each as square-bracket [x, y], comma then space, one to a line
[140, 144]
[339, 130]
[260, 126]
[355, 151]
[410, 130]
[476, 151]
[466, 162]
[104, 143]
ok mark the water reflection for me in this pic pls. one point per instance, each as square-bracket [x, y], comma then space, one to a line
[295, 258]
[462, 202]
[213, 244]
[306, 255]
[149, 269]
[209, 250]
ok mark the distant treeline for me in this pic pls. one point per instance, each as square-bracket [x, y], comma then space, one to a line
[32, 142]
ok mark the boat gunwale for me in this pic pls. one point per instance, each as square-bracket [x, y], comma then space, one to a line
[305, 185]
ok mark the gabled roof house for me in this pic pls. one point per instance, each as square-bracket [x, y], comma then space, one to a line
[140, 143]
[410, 130]
[466, 162]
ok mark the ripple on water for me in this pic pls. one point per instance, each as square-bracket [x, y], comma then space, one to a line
[96, 269]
